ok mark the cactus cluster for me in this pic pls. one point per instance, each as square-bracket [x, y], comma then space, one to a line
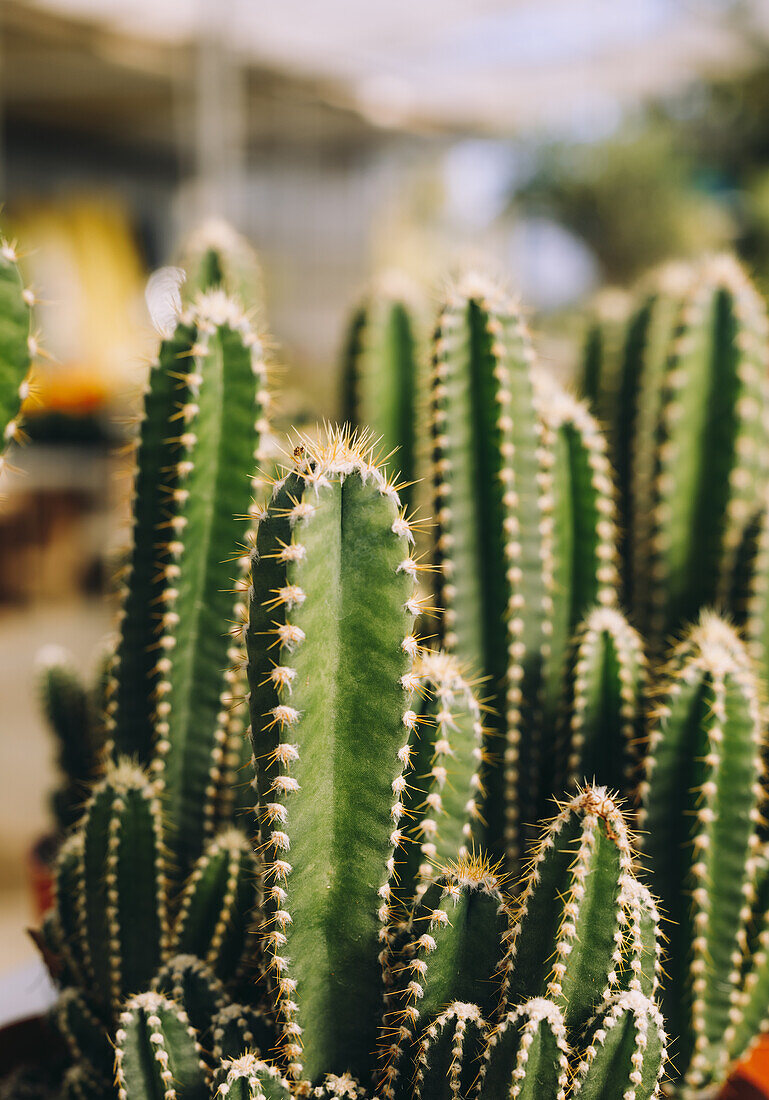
[303, 850]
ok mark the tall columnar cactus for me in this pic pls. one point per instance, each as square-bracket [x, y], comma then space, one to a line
[628, 399]
[18, 345]
[700, 441]
[381, 374]
[702, 803]
[330, 642]
[582, 542]
[176, 664]
[491, 513]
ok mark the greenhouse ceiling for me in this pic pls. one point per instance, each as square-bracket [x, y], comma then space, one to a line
[490, 65]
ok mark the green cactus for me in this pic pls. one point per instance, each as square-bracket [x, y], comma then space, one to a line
[157, 1053]
[601, 357]
[447, 1056]
[121, 887]
[582, 547]
[192, 985]
[238, 1029]
[218, 903]
[18, 345]
[330, 641]
[702, 800]
[527, 1054]
[443, 797]
[626, 1056]
[490, 512]
[130, 705]
[381, 374]
[222, 421]
[696, 486]
[249, 1078]
[568, 942]
[458, 935]
[630, 408]
[215, 257]
[69, 710]
[606, 701]
[84, 1035]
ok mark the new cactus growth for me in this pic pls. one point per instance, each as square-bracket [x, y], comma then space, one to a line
[527, 1054]
[249, 1078]
[216, 257]
[157, 1052]
[381, 373]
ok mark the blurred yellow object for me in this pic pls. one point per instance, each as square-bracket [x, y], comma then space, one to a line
[83, 263]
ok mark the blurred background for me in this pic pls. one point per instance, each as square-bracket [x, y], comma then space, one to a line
[566, 144]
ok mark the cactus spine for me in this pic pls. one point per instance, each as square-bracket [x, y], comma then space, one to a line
[330, 641]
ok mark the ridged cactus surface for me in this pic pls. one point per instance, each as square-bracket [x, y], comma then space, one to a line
[495, 572]
[330, 648]
[702, 804]
[382, 375]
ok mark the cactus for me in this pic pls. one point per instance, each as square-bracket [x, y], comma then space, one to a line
[601, 356]
[582, 547]
[248, 1078]
[381, 374]
[219, 898]
[606, 690]
[690, 435]
[527, 1054]
[18, 345]
[626, 1056]
[576, 911]
[702, 800]
[239, 1029]
[458, 932]
[444, 799]
[157, 1053]
[215, 257]
[121, 886]
[448, 1053]
[330, 640]
[69, 709]
[490, 512]
[194, 987]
